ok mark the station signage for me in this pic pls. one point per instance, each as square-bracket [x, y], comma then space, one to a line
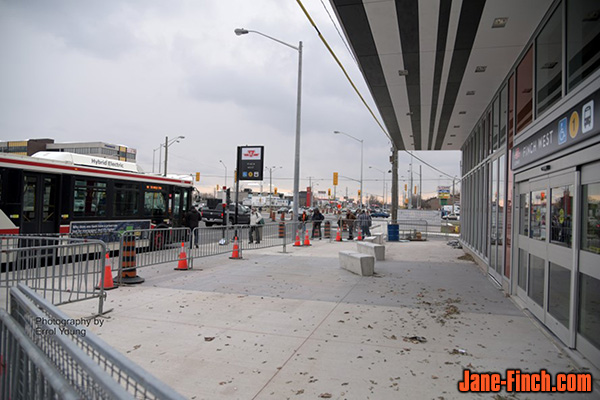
[576, 125]
[250, 163]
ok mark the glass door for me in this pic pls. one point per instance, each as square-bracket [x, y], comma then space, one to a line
[587, 289]
[546, 210]
[39, 205]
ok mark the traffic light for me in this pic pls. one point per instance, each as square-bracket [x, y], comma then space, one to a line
[335, 179]
[328, 192]
[228, 196]
[197, 176]
[405, 187]
[359, 192]
[275, 191]
[415, 189]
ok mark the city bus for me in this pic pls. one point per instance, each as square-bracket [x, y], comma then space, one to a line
[84, 196]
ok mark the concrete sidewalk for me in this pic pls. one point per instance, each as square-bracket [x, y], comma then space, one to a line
[295, 325]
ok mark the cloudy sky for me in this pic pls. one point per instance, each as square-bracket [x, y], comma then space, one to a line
[131, 72]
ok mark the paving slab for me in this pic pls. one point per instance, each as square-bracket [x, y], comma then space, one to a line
[294, 325]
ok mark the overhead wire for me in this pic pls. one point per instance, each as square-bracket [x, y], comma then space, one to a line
[337, 60]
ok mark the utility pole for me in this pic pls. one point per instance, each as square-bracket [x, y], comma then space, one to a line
[394, 159]
[410, 189]
[420, 186]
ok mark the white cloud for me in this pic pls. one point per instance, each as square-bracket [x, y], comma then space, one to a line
[133, 72]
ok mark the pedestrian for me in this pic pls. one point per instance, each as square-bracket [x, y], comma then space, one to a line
[317, 217]
[192, 219]
[256, 219]
[303, 218]
[364, 222]
[350, 217]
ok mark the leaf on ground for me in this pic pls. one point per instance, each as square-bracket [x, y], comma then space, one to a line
[209, 338]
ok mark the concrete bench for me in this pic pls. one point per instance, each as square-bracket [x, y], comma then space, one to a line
[360, 264]
[375, 238]
[375, 250]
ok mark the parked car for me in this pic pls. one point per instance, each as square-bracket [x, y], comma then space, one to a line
[380, 214]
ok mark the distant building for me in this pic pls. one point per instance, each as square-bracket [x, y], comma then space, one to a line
[97, 149]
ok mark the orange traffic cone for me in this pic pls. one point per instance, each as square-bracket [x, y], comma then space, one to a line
[297, 244]
[182, 265]
[359, 235]
[235, 254]
[108, 283]
[306, 240]
[338, 237]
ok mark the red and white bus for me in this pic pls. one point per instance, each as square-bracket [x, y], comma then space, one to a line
[86, 196]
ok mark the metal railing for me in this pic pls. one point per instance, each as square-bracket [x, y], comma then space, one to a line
[89, 367]
[62, 270]
[140, 248]
[26, 373]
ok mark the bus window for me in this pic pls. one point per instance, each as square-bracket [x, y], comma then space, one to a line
[176, 204]
[126, 199]
[155, 204]
[29, 198]
[89, 198]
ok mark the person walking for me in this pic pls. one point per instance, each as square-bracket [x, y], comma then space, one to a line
[350, 217]
[192, 219]
[317, 217]
[256, 219]
[303, 218]
[364, 222]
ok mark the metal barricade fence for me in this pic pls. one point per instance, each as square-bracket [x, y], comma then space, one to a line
[144, 247]
[89, 366]
[61, 270]
[417, 229]
[26, 374]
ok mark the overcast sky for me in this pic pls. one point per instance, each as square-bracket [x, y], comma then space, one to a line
[133, 72]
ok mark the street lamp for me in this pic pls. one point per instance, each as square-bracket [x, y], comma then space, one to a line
[159, 156]
[225, 184]
[383, 172]
[271, 185]
[361, 161]
[167, 144]
[242, 31]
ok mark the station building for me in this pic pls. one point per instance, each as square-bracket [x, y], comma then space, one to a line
[97, 149]
[515, 85]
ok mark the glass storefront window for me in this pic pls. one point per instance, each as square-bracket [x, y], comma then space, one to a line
[525, 91]
[522, 278]
[589, 308]
[549, 63]
[502, 115]
[536, 279]
[495, 123]
[583, 33]
[524, 204]
[538, 215]
[559, 293]
[494, 215]
[590, 232]
[561, 215]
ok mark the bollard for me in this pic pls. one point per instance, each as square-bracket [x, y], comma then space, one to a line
[327, 230]
[128, 271]
[281, 230]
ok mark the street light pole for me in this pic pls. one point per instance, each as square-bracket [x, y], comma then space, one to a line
[383, 172]
[167, 144]
[243, 31]
[225, 180]
[271, 186]
[361, 162]
[153, 157]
